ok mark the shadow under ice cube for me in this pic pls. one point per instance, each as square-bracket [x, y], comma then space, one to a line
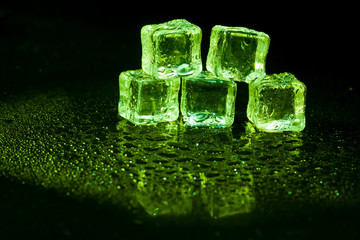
[145, 99]
[171, 49]
[277, 103]
[208, 100]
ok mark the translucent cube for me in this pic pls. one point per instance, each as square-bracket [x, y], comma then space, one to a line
[237, 53]
[171, 49]
[146, 100]
[277, 103]
[208, 100]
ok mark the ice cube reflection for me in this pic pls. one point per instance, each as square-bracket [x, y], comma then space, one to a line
[180, 170]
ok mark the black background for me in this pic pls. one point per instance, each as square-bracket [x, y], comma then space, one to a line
[313, 41]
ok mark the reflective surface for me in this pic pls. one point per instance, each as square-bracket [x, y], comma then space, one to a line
[78, 146]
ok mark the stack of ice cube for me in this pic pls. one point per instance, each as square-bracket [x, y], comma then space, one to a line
[171, 61]
[169, 51]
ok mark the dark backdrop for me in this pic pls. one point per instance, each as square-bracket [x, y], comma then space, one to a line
[104, 37]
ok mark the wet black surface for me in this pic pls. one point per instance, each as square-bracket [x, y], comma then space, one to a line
[70, 167]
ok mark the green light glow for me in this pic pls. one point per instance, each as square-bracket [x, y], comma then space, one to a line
[172, 51]
[169, 169]
[147, 100]
[171, 48]
[237, 53]
[277, 103]
[208, 100]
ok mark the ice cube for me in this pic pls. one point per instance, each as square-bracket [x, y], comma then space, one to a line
[208, 100]
[237, 53]
[171, 49]
[146, 100]
[277, 103]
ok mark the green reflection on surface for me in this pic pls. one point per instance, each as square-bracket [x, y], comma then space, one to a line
[181, 165]
[167, 169]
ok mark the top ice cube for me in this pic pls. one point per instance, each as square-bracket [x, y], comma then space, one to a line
[171, 49]
[237, 53]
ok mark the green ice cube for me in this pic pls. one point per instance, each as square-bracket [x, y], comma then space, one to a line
[208, 100]
[146, 100]
[237, 53]
[171, 49]
[277, 103]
